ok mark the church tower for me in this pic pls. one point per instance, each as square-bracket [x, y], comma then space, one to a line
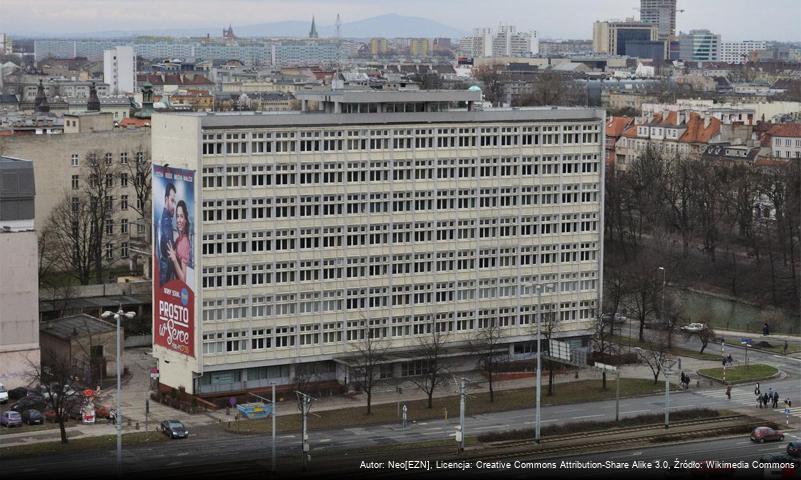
[313, 31]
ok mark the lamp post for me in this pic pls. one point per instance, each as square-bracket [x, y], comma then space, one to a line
[118, 417]
[662, 308]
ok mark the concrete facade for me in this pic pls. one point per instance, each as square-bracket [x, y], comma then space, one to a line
[19, 282]
[119, 70]
[388, 222]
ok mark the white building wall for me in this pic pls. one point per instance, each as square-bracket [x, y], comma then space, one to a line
[119, 69]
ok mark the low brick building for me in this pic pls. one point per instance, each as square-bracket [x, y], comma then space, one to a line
[88, 343]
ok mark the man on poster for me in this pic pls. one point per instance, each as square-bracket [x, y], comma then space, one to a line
[166, 241]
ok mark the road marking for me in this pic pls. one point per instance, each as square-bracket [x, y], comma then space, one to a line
[636, 411]
[587, 416]
[324, 440]
[287, 436]
[636, 454]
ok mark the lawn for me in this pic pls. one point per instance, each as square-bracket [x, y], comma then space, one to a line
[741, 373]
[29, 428]
[678, 351]
[80, 444]
[477, 403]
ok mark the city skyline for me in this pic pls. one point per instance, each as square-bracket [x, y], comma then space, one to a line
[734, 20]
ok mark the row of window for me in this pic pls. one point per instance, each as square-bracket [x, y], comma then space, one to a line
[110, 204]
[243, 143]
[384, 296]
[259, 208]
[108, 157]
[286, 174]
[317, 334]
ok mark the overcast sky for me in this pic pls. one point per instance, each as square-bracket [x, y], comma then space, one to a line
[733, 19]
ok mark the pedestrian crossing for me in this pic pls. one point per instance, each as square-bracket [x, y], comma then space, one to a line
[747, 397]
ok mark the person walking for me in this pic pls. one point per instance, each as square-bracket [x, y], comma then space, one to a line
[765, 399]
[765, 329]
[775, 399]
[728, 391]
[786, 345]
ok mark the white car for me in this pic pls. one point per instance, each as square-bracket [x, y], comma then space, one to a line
[693, 328]
[3, 394]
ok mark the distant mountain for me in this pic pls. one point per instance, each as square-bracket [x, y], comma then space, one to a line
[388, 26]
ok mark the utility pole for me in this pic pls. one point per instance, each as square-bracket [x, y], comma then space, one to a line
[460, 433]
[273, 415]
[118, 416]
[305, 402]
[617, 396]
[539, 365]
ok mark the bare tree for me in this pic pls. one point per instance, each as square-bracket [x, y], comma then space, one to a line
[371, 352]
[656, 353]
[493, 81]
[99, 194]
[486, 345]
[548, 327]
[54, 375]
[430, 351]
[551, 88]
[602, 345]
[615, 293]
[69, 239]
[704, 336]
[645, 288]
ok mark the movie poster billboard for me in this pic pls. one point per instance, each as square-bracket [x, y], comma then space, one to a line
[173, 193]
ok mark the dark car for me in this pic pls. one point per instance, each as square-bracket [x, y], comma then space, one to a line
[10, 418]
[32, 417]
[17, 393]
[794, 449]
[766, 434]
[779, 458]
[174, 429]
[31, 401]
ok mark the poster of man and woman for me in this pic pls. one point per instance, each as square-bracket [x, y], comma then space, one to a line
[173, 258]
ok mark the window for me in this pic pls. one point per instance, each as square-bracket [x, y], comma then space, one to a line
[108, 158]
[75, 160]
[123, 179]
[124, 227]
[140, 157]
[124, 202]
[124, 250]
[124, 158]
[75, 182]
[109, 251]
[109, 227]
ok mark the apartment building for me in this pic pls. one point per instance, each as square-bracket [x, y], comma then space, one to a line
[313, 231]
[740, 52]
[119, 70]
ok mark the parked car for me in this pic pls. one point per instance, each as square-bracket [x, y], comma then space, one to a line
[619, 318]
[3, 394]
[794, 449]
[32, 417]
[174, 429]
[31, 401]
[766, 434]
[693, 328]
[10, 418]
[17, 393]
[67, 389]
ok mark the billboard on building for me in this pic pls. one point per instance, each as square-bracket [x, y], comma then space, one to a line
[173, 259]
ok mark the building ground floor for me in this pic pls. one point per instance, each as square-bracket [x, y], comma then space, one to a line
[343, 373]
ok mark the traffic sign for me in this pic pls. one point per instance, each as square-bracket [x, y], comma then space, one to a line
[604, 366]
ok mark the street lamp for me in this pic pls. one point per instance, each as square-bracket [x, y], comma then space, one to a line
[662, 310]
[118, 417]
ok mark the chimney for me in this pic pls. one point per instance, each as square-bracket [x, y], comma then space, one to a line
[706, 120]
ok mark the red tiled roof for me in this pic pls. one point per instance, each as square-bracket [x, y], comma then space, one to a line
[696, 133]
[134, 122]
[616, 125]
[785, 130]
[630, 131]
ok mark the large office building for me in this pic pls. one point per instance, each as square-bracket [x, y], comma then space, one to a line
[19, 284]
[661, 13]
[311, 232]
[617, 37]
[699, 46]
[740, 52]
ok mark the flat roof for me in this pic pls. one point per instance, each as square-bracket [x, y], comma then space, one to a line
[296, 119]
[391, 96]
[81, 325]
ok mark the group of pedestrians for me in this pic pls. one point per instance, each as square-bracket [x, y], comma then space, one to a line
[769, 399]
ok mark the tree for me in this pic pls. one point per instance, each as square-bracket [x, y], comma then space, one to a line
[485, 344]
[430, 350]
[68, 240]
[493, 81]
[616, 289]
[656, 354]
[551, 88]
[645, 288]
[54, 374]
[548, 327]
[601, 344]
[99, 194]
[704, 336]
[139, 173]
[370, 354]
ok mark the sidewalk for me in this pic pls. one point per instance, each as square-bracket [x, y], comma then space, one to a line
[136, 388]
[758, 336]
